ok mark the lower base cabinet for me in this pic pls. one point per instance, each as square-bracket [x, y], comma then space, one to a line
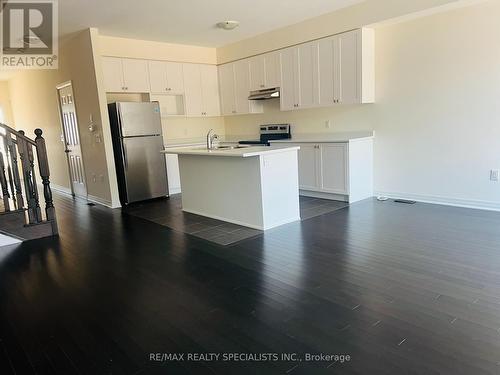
[338, 171]
[174, 179]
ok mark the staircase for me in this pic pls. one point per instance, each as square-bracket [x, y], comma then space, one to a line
[20, 212]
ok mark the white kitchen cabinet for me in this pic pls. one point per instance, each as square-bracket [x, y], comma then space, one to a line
[210, 90]
[226, 87]
[308, 169]
[173, 175]
[192, 90]
[350, 67]
[336, 170]
[242, 89]
[135, 75]
[201, 90]
[299, 77]
[234, 85]
[257, 73]
[272, 69]
[290, 89]
[125, 75]
[113, 74]
[308, 75]
[166, 77]
[333, 168]
[328, 71]
[265, 71]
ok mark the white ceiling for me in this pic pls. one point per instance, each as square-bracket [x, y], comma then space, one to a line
[189, 21]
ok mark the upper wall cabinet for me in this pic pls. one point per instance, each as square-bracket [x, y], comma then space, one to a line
[265, 71]
[234, 83]
[299, 77]
[201, 88]
[166, 77]
[226, 87]
[329, 71]
[125, 75]
[353, 56]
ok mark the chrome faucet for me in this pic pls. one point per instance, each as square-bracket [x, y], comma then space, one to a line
[211, 137]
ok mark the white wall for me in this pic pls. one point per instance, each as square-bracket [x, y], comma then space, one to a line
[365, 13]
[436, 116]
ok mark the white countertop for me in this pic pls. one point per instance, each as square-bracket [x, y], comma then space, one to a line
[327, 137]
[244, 152]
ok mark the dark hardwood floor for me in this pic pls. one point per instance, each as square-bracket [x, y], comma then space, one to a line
[400, 289]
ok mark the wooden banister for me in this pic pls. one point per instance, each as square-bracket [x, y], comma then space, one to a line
[43, 167]
[19, 134]
[16, 142]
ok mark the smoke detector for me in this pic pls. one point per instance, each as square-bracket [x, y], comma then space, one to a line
[228, 25]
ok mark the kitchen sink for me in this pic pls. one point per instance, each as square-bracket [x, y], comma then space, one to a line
[228, 147]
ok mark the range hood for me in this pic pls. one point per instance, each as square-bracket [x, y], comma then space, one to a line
[265, 94]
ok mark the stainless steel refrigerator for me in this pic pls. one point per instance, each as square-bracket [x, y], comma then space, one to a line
[137, 141]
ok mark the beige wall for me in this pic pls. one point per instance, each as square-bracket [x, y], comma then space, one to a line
[5, 104]
[35, 104]
[145, 49]
[436, 115]
[366, 13]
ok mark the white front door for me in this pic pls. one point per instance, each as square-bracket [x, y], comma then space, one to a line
[72, 139]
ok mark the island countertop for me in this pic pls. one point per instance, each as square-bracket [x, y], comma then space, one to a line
[243, 152]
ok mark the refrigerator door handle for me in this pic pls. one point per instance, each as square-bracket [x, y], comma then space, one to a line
[124, 153]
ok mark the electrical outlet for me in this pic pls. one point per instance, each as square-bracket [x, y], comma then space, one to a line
[494, 175]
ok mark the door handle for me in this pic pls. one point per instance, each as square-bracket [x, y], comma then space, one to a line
[125, 162]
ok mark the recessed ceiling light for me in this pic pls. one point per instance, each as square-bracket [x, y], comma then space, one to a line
[228, 25]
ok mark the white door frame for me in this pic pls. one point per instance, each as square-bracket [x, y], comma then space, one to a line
[63, 132]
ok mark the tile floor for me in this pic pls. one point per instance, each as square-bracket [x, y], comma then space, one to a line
[168, 212]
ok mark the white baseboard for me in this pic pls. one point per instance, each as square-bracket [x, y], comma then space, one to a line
[224, 219]
[98, 200]
[61, 189]
[172, 191]
[258, 227]
[322, 195]
[455, 202]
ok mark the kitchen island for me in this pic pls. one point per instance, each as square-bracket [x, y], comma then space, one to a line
[256, 187]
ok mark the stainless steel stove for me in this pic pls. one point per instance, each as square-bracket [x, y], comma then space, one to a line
[271, 132]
